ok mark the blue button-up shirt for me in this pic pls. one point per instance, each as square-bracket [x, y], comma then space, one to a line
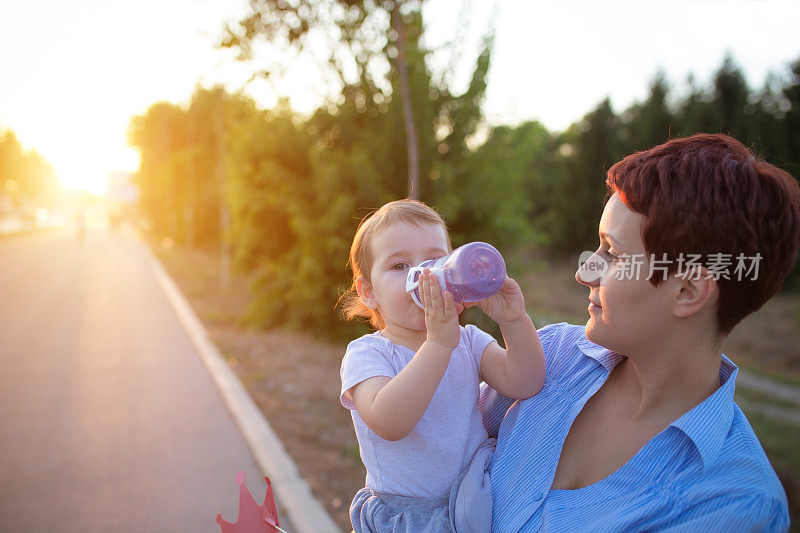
[705, 472]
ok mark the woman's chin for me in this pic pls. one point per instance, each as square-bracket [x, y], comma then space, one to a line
[592, 329]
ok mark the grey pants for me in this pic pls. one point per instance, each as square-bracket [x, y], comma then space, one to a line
[468, 508]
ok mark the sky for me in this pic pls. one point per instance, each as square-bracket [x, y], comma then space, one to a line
[72, 74]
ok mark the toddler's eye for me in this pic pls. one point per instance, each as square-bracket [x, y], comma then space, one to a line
[399, 266]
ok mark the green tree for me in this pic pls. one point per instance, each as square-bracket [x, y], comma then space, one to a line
[576, 202]
[791, 119]
[159, 137]
[182, 177]
[349, 156]
[730, 102]
[766, 121]
[363, 36]
[694, 114]
[458, 118]
[26, 176]
[791, 142]
[504, 187]
[651, 122]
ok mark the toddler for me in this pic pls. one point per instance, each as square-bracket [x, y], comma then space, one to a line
[412, 386]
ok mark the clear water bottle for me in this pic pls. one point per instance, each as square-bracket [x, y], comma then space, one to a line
[471, 273]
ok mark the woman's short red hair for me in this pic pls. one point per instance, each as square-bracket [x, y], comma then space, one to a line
[708, 194]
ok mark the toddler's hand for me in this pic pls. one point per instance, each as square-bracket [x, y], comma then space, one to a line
[505, 307]
[441, 318]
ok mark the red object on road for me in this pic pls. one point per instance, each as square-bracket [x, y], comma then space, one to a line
[253, 518]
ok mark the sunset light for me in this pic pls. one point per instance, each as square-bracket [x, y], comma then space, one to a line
[193, 194]
[94, 184]
[88, 171]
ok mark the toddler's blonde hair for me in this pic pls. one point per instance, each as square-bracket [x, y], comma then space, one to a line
[409, 211]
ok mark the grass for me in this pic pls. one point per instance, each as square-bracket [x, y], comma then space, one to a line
[766, 399]
[351, 452]
[781, 443]
[786, 377]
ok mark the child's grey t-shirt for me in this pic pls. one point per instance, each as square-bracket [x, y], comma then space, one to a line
[427, 461]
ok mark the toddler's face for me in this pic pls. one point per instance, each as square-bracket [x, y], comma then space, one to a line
[395, 250]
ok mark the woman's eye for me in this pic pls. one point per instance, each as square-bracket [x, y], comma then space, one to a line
[608, 255]
[399, 266]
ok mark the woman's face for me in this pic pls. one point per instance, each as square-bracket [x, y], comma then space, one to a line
[625, 310]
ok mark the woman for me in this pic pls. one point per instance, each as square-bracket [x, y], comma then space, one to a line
[636, 428]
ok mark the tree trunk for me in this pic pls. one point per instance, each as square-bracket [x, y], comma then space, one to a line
[412, 145]
[221, 177]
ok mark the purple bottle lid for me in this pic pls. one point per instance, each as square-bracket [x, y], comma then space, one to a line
[471, 273]
[474, 272]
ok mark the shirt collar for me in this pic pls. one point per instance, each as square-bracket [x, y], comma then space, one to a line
[602, 355]
[707, 423]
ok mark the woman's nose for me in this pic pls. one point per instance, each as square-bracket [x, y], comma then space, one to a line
[592, 269]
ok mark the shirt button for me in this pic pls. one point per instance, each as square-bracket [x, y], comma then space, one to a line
[537, 497]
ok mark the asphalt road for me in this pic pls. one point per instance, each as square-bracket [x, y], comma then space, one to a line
[108, 419]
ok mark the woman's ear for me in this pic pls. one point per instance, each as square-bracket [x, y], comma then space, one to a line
[695, 292]
[364, 289]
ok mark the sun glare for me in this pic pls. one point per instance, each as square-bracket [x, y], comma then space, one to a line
[82, 172]
[84, 181]
[90, 173]
[82, 149]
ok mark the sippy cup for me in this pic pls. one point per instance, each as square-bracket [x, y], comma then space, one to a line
[471, 273]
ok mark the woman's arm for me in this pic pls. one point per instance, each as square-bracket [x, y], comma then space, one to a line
[759, 512]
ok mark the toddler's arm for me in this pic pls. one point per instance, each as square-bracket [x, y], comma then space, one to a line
[392, 407]
[517, 371]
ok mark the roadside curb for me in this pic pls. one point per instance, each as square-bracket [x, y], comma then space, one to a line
[306, 514]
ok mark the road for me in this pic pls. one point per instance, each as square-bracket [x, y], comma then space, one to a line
[108, 419]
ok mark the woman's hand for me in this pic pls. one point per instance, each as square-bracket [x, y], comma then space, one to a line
[505, 307]
[441, 316]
